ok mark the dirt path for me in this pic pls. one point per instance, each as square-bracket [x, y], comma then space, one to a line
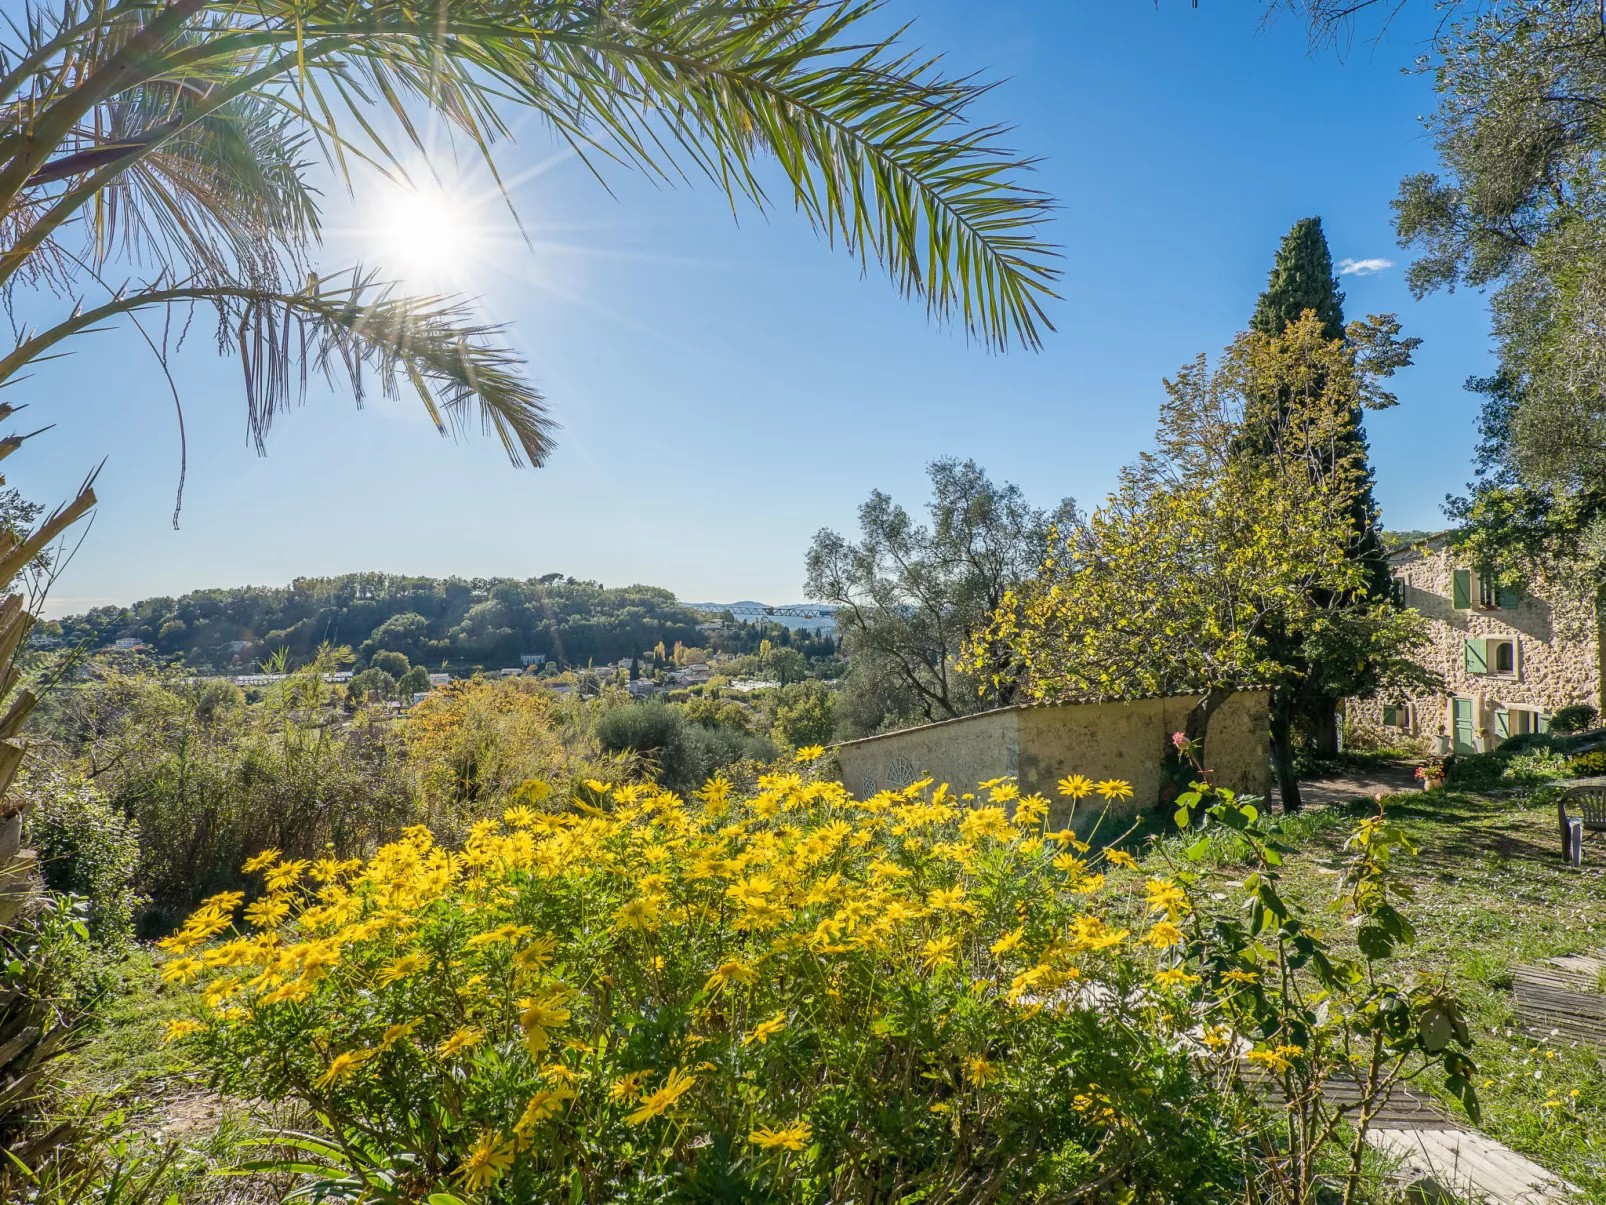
[1346, 788]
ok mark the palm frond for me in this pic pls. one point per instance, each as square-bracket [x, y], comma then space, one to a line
[434, 345]
[362, 330]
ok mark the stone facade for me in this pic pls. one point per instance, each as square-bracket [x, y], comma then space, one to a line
[1508, 662]
[1039, 745]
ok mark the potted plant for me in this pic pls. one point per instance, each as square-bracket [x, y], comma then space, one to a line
[1483, 742]
[1441, 743]
[1431, 775]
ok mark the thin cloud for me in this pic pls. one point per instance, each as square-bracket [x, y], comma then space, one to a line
[1362, 267]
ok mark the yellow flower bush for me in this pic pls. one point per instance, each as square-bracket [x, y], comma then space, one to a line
[632, 996]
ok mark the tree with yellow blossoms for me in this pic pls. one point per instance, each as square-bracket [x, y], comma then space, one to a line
[1221, 562]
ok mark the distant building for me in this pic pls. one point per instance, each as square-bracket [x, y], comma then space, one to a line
[1509, 661]
[439, 679]
[128, 643]
[239, 646]
[528, 659]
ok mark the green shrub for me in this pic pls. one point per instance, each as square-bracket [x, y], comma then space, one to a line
[1577, 718]
[1587, 765]
[414, 681]
[804, 716]
[371, 685]
[1513, 764]
[680, 753]
[87, 848]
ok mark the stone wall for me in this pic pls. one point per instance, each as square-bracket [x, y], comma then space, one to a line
[1042, 744]
[1556, 648]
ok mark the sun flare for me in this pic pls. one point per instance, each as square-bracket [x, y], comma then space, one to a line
[425, 234]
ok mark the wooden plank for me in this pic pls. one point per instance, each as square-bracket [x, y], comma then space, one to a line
[1561, 999]
[1472, 1164]
[1403, 1107]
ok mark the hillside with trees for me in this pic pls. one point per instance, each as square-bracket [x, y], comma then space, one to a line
[456, 621]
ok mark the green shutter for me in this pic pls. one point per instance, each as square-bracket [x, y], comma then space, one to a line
[1541, 722]
[1502, 723]
[1461, 589]
[1391, 717]
[1509, 598]
[1477, 659]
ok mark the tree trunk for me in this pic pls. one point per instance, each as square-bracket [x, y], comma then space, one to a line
[1324, 725]
[1197, 727]
[1282, 749]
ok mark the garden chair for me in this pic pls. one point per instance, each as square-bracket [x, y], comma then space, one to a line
[1582, 812]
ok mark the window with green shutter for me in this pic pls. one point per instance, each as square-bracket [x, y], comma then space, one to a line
[1502, 723]
[1391, 717]
[1510, 596]
[1477, 661]
[1541, 722]
[1461, 589]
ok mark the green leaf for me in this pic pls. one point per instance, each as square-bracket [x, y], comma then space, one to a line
[1199, 848]
[1182, 817]
[1374, 940]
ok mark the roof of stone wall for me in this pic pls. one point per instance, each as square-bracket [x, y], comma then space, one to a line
[962, 719]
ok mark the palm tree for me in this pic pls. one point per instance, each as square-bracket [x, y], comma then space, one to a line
[175, 136]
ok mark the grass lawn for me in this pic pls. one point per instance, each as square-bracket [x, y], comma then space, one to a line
[1492, 891]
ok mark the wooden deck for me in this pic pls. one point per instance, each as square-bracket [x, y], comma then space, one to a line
[1426, 1141]
[1471, 1165]
[1404, 1108]
[1560, 999]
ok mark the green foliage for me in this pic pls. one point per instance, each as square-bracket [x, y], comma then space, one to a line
[1517, 206]
[49, 976]
[910, 597]
[393, 663]
[1587, 765]
[1528, 759]
[1320, 673]
[371, 686]
[1301, 279]
[1263, 966]
[804, 716]
[204, 779]
[1578, 718]
[88, 848]
[681, 753]
[424, 620]
[414, 681]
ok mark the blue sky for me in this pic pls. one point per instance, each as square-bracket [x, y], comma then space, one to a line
[728, 387]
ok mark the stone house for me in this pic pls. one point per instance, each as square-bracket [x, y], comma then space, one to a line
[1041, 743]
[1509, 661]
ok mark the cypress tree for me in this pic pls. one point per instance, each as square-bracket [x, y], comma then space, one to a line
[1302, 279]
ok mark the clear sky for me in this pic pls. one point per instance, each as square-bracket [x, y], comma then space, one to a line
[726, 387]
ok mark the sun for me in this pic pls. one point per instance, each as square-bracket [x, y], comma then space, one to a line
[425, 234]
